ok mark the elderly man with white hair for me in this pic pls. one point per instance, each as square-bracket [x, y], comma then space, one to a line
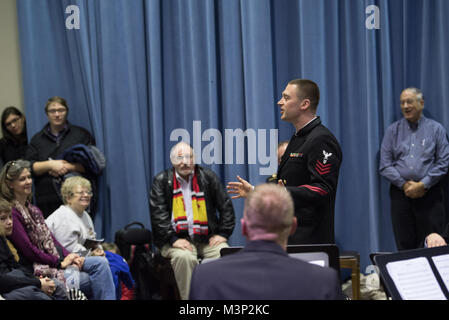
[263, 270]
[191, 214]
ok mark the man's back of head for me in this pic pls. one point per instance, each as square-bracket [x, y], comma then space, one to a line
[262, 270]
[268, 214]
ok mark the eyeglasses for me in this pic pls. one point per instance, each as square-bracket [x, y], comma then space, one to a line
[12, 122]
[60, 110]
[82, 193]
[408, 101]
[18, 165]
[181, 158]
[9, 165]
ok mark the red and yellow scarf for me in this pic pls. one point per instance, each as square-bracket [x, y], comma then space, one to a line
[200, 225]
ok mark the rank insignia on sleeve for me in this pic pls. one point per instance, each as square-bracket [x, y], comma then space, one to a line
[326, 156]
[322, 168]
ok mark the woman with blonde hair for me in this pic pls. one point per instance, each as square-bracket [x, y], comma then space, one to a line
[70, 223]
[73, 228]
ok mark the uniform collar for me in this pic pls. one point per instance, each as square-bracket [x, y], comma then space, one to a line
[308, 126]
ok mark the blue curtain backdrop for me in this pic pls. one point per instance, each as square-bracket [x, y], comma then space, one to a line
[135, 71]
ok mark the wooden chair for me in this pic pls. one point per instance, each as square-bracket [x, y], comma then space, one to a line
[351, 260]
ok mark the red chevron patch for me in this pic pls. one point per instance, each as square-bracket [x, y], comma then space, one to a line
[315, 189]
[322, 168]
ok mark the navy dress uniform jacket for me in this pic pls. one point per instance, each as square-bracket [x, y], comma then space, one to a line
[309, 168]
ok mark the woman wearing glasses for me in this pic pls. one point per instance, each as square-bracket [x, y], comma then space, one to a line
[70, 223]
[73, 228]
[37, 245]
[14, 142]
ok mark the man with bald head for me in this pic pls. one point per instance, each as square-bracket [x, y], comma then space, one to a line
[414, 157]
[191, 214]
[263, 270]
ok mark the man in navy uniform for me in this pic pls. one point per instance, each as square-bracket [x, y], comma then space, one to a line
[310, 166]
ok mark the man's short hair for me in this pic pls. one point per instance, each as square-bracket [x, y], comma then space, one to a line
[307, 89]
[417, 92]
[269, 208]
[56, 99]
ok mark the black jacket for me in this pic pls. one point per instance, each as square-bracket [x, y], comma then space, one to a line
[445, 234]
[7, 264]
[44, 146]
[11, 150]
[310, 167]
[161, 198]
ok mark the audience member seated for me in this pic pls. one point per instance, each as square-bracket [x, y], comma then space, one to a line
[38, 248]
[73, 228]
[282, 146]
[14, 142]
[191, 214]
[45, 146]
[437, 240]
[120, 272]
[16, 283]
[263, 270]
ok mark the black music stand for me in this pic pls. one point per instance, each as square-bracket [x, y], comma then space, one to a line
[323, 254]
[402, 270]
[372, 257]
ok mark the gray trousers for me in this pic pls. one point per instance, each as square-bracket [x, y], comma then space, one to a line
[184, 261]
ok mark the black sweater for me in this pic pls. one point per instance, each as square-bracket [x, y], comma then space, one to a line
[44, 146]
[7, 264]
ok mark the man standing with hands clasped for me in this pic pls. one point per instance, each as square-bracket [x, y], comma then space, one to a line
[310, 166]
[46, 145]
[414, 156]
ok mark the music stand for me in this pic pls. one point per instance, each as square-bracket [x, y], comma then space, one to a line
[372, 256]
[416, 274]
[322, 254]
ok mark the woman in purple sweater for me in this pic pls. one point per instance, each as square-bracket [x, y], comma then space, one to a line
[39, 248]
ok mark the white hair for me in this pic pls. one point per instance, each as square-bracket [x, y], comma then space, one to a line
[175, 148]
[417, 92]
